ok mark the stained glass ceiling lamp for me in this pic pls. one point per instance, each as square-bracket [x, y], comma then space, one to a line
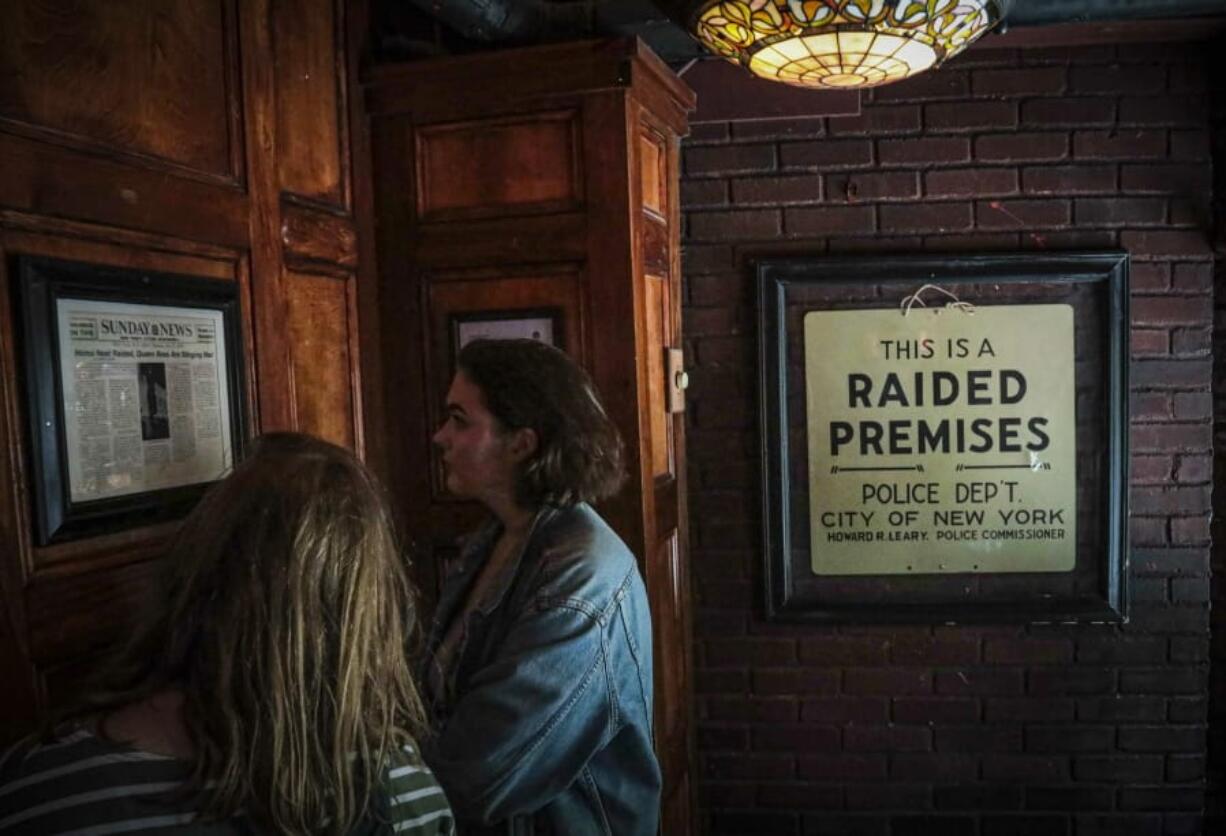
[841, 44]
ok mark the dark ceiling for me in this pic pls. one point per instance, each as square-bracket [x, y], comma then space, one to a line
[404, 29]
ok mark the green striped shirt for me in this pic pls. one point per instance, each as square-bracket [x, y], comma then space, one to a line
[81, 785]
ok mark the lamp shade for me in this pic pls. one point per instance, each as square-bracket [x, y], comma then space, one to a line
[840, 44]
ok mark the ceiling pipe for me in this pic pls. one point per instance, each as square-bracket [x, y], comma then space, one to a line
[512, 20]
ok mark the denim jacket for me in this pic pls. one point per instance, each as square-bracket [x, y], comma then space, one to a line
[549, 729]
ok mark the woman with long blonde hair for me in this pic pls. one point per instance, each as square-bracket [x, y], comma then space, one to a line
[268, 691]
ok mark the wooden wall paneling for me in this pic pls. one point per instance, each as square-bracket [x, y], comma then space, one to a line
[316, 240]
[318, 318]
[309, 55]
[154, 84]
[272, 349]
[42, 179]
[504, 166]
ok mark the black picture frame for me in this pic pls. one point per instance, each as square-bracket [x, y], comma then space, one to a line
[41, 284]
[1098, 588]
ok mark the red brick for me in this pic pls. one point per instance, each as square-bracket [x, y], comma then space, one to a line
[970, 182]
[1190, 531]
[947, 84]
[1194, 277]
[1191, 342]
[887, 681]
[1018, 82]
[978, 739]
[1191, 406]
[1028, 651]
[707, 133]
[1028, 710]
[1144, 78]
[1022, 147]
[934, 767]
[777, 190]
[1025, 768]
[740, 709]
[742, 652]
[840, 710]
[1150, 406]
[832, 220]
[1190, 590]
[967, 116]
[924, 150]
[1181, 500]
[791, 797]
[1174, 178]
[1169, 374]
[1068, 111]
[795, 681]
[890, 185]
[696, 193]
[718, 289]
[924, 710]
[1171, 438]
[926, 217]
[1078, 680]
[1118, 769]
[877, 244]
[1171, 562]
[744, 225]
[1147, 531]
[826, 154]
[1150, 469]
[1190, 145]
[1078, 179]
[1072, 739]
[703, 258]
[1167, 243]
[754, 767]
[841, 768]
[1171, 310]
[980, 681]
[1120, 211]
[1027, 214]
[1163, 110]
[1144, 341]
[845, 651]
[929, 651]
[1149, 277]
[812, 126]
[878, 120]
[729, 159]
[1127, 144]
[796, 738]
[866, 738]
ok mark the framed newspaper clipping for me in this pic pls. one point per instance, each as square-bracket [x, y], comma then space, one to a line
[134, 392]
[944, 439]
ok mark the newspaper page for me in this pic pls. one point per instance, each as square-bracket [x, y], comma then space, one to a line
[145, 397]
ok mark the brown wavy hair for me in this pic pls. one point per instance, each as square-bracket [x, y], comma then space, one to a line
[283, 617]
[528, 384]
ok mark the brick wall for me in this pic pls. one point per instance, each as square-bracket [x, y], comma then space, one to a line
[1008, 729]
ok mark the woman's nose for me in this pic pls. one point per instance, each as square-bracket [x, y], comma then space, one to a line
[438, 436]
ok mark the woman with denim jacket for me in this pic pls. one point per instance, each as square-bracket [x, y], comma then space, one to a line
[539, 666]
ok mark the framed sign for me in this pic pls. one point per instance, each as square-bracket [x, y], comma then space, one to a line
[134, 390]
[541, 325]
[944, 439]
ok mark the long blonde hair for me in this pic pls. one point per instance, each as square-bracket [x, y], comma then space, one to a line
[284, 618]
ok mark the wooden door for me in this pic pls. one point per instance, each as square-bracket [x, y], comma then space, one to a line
[662, 425]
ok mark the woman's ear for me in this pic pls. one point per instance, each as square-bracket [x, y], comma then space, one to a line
[524, 442]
